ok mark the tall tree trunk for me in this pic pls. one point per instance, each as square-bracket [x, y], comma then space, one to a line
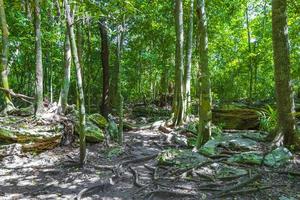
[105, 67]
[114, 89]
[284, 94]
[38, 63]
[250, 56]
[188, 67]
[120, 98]
[205, 113]
[178, 100]
[63, 99]
[82, 120]
[28, 9]
[4, 59]
[89, 65]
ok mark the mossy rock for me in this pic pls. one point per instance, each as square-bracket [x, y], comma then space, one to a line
[93, 133]
[180, 158]
[210, 147]
[240, 119]
[247, 158]
[7, 136]
[227, 171]
[98, 120]
[278, 157]
[23, 136]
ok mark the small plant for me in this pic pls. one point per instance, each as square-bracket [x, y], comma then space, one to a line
[268, 119]
[217, 130]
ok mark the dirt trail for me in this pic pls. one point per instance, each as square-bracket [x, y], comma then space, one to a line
[131, 172]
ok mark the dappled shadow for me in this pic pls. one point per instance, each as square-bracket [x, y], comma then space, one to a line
[132, 172]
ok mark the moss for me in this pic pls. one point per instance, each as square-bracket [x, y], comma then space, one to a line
[98, 120]
[93, 134]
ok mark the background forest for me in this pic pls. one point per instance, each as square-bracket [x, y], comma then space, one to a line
[240, 48]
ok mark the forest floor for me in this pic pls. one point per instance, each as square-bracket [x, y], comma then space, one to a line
[134, 172]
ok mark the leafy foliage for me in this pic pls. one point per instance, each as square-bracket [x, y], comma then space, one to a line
[268, 119]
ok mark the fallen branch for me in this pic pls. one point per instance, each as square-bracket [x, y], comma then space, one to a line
[21, 96]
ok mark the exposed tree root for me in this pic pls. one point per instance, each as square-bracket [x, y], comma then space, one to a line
[136, 177]
[292, 173]
[99, 187]
[168, 193]
[241, 184]
[138, 160]
[232, 193]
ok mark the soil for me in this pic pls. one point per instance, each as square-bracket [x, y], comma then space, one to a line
[132, 172]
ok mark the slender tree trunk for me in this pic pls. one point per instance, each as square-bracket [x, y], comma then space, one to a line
[120, 99]
[28, 9]
[38, 63]
[205, 113]
[178, 101]
[250, 56]
[188, 67]
[89, 66]
[82, 120]
[105, 67]
[114, 89]
[4, 59]
[164, 87]
[284, 94]
[63, 99]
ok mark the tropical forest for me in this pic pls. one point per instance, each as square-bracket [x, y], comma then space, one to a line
[150, 99]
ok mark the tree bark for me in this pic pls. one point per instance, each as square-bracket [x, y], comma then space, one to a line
[63, 99]
[105, 67]
[205, 105]
[120, 98]
[114, 90]
[250, 56]
[178, 100]
[284, 94]
[4, 58]
[38, 63]
[82, 117]
[188, 67]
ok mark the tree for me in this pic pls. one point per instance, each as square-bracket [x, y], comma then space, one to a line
[250, 55]
[105, 67]
[63, 98]
[178, 110]
[205, 102]
[284, 94]
[38, 59]
[119, 87]
[4, 59]
[82, 117]
[187, 72]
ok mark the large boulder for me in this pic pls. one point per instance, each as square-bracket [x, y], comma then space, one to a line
[278, 157]
[240, 119]
[93, 133]
[98, 120]
[94, 128]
